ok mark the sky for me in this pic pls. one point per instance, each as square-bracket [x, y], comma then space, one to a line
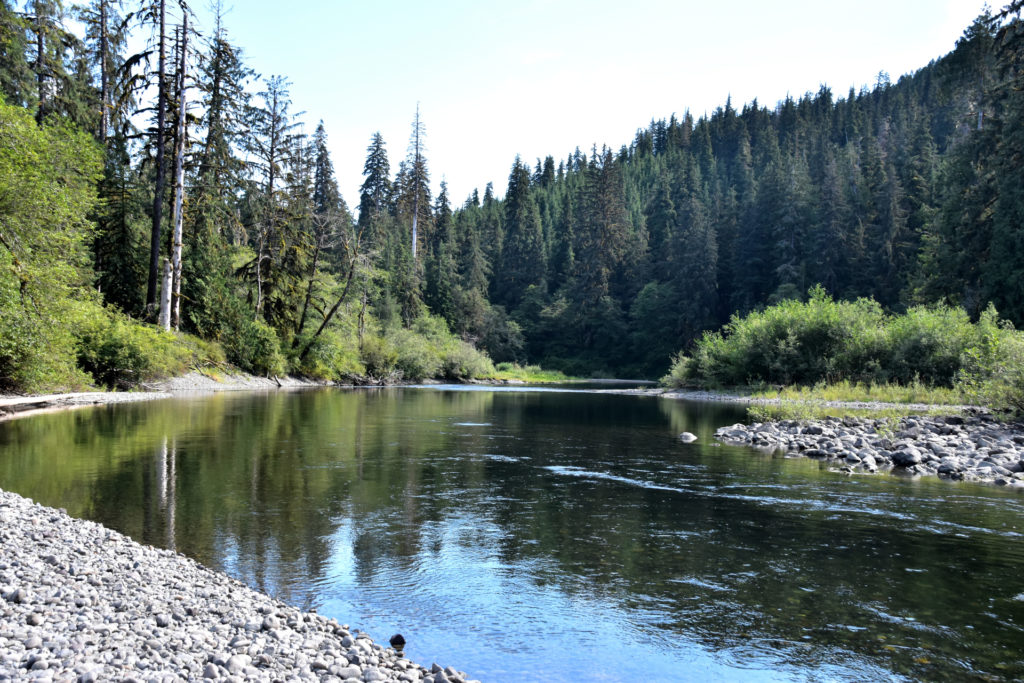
[541, 77]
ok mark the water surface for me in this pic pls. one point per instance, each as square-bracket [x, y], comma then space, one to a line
[552, 535]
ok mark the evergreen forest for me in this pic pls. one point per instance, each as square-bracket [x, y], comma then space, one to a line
[166, 208]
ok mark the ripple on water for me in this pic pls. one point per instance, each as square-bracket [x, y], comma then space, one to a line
[572, 471]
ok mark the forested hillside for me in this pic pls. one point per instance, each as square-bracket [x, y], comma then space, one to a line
[908, 193]
[174, 186]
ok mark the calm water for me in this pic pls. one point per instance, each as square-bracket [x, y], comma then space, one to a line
[546, 535]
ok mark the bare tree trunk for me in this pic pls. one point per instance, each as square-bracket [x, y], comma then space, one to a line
[259, 275]
[40, 62]
[179, 178]
[165, 298]
[416, 181]
[309, 293]
[362, 316]
[158, 198]
[415, 214]
[104, 87]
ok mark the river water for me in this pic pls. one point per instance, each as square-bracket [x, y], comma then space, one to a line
[551, 535]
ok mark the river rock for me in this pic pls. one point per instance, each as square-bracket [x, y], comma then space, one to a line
[687, 437]
[973, 447]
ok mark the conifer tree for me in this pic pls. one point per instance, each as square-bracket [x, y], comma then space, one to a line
[522, 254]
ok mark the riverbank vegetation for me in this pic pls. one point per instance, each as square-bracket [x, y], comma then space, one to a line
[165, 209]
[825, 350]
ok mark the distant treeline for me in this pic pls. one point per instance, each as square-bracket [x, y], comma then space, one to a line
[908, 193]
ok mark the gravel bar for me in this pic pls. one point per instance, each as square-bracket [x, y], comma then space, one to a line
[968, 448]
[80, 602]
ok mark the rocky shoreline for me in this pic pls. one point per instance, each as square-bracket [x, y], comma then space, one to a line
[80, 602]
[970, 447]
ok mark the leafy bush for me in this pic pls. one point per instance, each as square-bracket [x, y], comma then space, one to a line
[993, 371]
[792, 342]
[464, 361]
[379, 357]
[120, 353]
[253, 346]
[416, 357]
[930, 343]
[331, 357]
[822, 340]
[48, 180]
[37, 347]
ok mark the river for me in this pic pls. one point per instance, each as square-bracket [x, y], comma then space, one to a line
[552, 535]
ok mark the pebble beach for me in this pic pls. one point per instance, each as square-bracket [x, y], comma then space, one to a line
[81, 602]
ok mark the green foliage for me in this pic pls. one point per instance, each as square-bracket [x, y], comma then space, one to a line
[426, 350]
[417, 357]
[121, 353]
[993, 372]
[47, 188]
[253, 346]
[463, 361]
[37, 348]
[847, 391]
[606, 262]
[531, 374]
[332, 356]
[822, 340]
[815, 410]
[379, 357]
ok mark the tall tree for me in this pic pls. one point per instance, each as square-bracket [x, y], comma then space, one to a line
[157, 15]
[272, 146]
[375, 191]
[418, 179]
[522, 255]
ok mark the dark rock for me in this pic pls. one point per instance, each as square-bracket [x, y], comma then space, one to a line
[906, 458]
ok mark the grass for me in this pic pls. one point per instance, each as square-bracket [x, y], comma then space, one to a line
[531, 374]
[847, 391]
[812, 410]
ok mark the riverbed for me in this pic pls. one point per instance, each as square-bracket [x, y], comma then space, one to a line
[562, 532]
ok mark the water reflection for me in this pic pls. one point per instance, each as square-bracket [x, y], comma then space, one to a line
[565, 534]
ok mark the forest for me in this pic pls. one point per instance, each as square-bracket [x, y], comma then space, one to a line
[163, 209]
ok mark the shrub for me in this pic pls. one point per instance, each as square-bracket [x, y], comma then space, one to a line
[120, 352]
[929, 342]
[379, 357]
[464, 361]
[993, 370]
[331, 357]
[37, 352]
[822, 340]
[417, 358]
[678, 372]
[253, 346]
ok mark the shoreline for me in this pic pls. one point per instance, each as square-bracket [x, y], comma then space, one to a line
[192, 383]
[701, 395]
[80, 601]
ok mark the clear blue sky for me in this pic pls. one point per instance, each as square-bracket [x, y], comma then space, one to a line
[540, 77]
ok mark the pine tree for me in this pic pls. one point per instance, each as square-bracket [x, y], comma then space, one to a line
[16, 78]
[273, 146]
[522, 254]
[441, 271]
